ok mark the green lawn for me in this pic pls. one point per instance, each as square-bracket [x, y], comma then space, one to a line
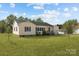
[39, 45]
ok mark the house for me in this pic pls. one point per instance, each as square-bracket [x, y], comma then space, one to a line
[61, 30]
[33, 28]
[76, 29]
[64, 31]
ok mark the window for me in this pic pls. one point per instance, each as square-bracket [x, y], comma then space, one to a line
[16, 28]
[43, 29]
[27, 29]
[40, 29]
[49, 29]
[36, 29]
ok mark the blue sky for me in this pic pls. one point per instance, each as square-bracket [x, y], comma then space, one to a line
[53, 13]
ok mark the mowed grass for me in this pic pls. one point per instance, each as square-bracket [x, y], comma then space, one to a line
[60, 45]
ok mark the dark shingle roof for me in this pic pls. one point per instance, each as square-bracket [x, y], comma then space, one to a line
[42, 24]
[36, 23]
[18, 21]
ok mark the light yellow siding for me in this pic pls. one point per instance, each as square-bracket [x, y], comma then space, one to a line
[27, 24]
[14, 26]
[21, 28]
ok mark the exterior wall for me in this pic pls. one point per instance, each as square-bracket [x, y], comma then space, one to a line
[16, 25]
[51, 28]
[55, 29]
[21, 28]
[27, 24]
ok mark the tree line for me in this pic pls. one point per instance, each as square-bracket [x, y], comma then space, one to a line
[6, 24]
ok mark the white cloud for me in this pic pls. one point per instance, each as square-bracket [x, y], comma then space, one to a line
[19, 14]
[12, 5]
[75, 8]
[15, 13]
[35, 16]
[33, 4]
[24, 14]
[2, 11]
[66, 9]
[3, 17]
[48, 15]
[67, 15]
[36, 5]
[29, 4]
[56, 4]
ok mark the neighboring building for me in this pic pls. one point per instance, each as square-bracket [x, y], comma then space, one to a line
[33, 28]
[55, 29]
[76, 29]
[64, 31]
[61, 30]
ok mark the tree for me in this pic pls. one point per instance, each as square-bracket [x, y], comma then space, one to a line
[10, 19]
[33, 20]
[27, 19]
[39, 20]
[21, 18]
[2, 26]
[69, 25]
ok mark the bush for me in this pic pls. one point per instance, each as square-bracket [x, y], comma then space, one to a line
[44, 33]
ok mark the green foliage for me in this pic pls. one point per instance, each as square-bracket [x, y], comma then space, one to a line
[10, 19]
[44, 32]
[6, 25]
[39, 20]
[26, 19]
[9, 22]
[21, 18]
[8, 29]
[2, 26]
[69, 25]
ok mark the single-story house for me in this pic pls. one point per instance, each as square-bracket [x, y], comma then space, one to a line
[33, 28]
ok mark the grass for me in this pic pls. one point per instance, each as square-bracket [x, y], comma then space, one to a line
[62, 45]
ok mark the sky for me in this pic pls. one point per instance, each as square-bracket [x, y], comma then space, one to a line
[52, 13]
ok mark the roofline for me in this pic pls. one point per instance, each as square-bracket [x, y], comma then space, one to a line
[35, 24]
